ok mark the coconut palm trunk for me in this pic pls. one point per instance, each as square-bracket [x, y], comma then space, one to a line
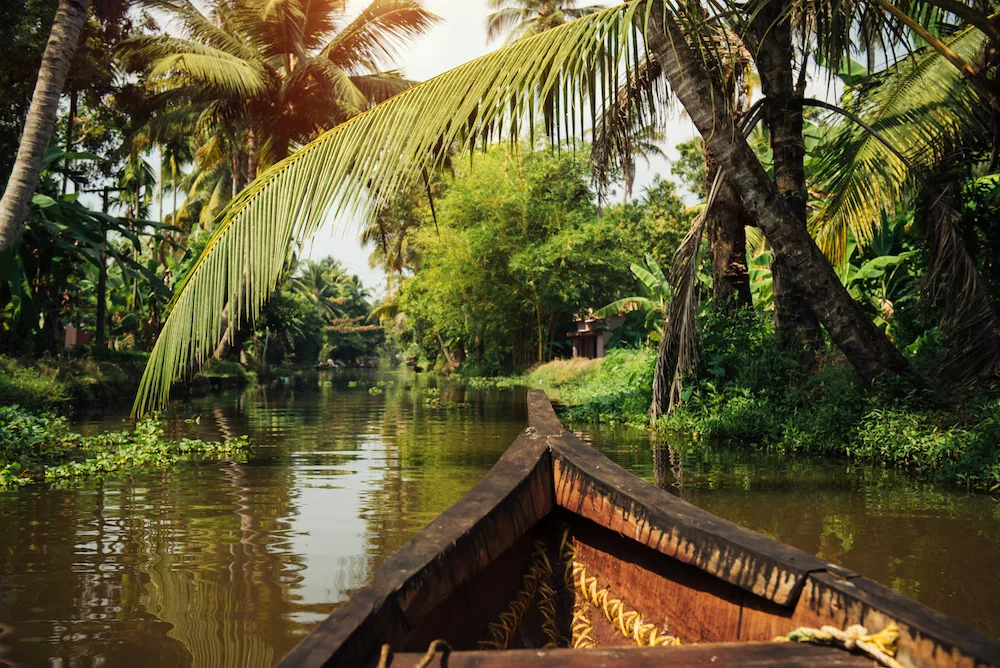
[727, 243]
[71, 16]
[864, 345]
[771, 36]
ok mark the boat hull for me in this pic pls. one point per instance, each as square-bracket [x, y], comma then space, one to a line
[557, 511]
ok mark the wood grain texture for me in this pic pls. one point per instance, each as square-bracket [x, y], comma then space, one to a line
[708, 579]
[589, 484]
[926, 637]
[679, 598]
[727, 655]
[513, 497]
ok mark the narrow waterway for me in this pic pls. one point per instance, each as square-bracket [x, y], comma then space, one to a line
[230, 564]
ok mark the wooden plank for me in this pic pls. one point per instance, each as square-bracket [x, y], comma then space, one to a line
[675, 596]
[589, 484]
[730, 655]
[513, 497]
[926, 639]
[463, 618]
[542, 419]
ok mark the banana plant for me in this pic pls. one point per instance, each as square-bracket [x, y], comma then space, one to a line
[654, 293]
[876, 281]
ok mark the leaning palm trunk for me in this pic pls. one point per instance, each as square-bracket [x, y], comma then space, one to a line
[864, 345]
[726, 223]
[38, 127]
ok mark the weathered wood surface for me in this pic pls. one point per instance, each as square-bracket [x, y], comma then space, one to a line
[726, 655]
[513, 497]
[926, 637]
[710, 579]
[590, 485]
[677, 597]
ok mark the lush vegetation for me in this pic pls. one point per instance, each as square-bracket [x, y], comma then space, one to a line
[746, 393]
[833, 290]
[40, 448]
[513, 251]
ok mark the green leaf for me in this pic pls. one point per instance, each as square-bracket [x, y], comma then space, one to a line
[348, 171]
[43, 201]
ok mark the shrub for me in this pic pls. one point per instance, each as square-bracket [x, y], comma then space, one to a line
[40, 447]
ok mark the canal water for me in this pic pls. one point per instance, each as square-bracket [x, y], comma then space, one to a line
[232, 563]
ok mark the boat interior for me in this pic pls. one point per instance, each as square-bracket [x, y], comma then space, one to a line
[561, 557]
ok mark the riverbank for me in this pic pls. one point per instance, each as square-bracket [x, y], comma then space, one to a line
[749, 395]
[39, 447]
[84, 376]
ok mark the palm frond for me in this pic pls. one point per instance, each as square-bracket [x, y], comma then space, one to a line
[375, 36]
[381, 86]
[619, 305]
[200, 28]
[234, 76]
[970, 319]
[510, 21]
[923, 107]
[350, 169]
[677, 348]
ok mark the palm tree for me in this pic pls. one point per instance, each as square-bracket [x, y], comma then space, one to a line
[263, 78]
[922, 131]
[271, 76]
[71, 16]
[325, 285]
[386, 149]
[524, 18]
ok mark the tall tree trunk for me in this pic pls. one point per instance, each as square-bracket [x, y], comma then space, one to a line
[70, 118]
[38, 127]
[447, 353]
[771, 37]
[727, 243]
[864, 345]
[230, 328]
[101, 317]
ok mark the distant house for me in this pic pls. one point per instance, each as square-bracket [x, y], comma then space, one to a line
[74, 336]
[592, 335]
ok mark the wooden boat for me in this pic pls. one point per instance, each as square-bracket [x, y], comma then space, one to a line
[531, 558]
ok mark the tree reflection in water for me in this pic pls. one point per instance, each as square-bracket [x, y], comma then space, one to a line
[230, 564]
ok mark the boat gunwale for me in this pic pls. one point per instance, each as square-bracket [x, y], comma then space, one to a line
[547, 468]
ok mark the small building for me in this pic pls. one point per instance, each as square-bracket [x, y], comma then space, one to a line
[74, 336]
[592, 335]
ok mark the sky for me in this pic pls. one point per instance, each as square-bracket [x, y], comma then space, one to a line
[457, 39]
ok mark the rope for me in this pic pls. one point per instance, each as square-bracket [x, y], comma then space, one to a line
[628, 622]
[439, 644]
[580, 626]
[879, 646]
[500, 631]
[547, 607]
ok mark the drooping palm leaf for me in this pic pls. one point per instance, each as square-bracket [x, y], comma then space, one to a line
[970, 319]
[348, 170]
[923, 108]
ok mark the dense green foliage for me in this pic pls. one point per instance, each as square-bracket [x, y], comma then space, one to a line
[317, 314]
[39, 447]
[748, 392]
[85, 375]
[518, 251]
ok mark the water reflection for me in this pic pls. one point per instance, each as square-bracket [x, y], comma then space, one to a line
[230, 564]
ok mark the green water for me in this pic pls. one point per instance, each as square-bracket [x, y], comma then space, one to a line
[230, 564]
